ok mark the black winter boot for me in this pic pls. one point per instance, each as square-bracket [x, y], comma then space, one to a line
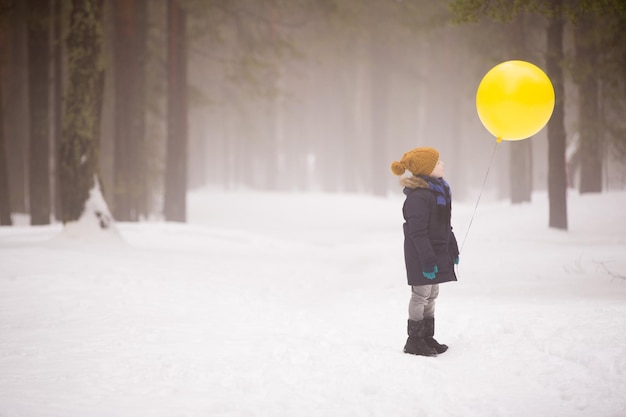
[416, 344]
[429, 332]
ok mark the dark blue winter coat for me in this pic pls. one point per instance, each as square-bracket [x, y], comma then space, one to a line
[428, 236]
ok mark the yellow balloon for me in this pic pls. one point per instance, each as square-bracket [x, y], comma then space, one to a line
[515, 100]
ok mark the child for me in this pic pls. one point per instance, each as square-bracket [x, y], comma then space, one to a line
[430, 248]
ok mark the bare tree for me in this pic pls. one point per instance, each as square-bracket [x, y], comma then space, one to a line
[5, 197]
[5, 201]
[586, 77]
[520, 172]
[79, 147]
[557, 175]
[39, 93]
[175, 204]
[130, 38]
[57, 100]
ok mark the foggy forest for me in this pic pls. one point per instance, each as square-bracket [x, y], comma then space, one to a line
[155, 98]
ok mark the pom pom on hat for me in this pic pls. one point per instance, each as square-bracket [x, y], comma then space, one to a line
[420, 161]
[397, 168]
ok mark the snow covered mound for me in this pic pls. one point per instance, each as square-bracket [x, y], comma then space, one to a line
[296, 305]
[96, 224]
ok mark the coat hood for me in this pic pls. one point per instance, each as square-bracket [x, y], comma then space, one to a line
[413, 182]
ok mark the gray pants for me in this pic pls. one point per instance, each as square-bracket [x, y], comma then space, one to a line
[422, 303]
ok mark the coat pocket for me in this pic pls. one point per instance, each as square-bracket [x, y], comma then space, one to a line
[444, 260]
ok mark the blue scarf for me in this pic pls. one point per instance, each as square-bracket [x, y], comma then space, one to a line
[440, 187]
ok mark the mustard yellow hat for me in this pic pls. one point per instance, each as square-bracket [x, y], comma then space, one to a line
[420, 161]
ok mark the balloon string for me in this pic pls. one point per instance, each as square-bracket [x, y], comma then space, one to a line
[480, 194]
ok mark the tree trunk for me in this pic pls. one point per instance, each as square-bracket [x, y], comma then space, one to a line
[380, 90]
[588, 114]
[38, 83]
[139, 198]
[16, 115]
[39, 92]
[557, 180]
[124, 142]
[5, 195]
[79, 147]
[357, 107]
[130, 45]
[175, 204]
[520, 170]
[5, 200]
[57, 107]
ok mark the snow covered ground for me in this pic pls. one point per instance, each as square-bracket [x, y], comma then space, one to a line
[296, 305]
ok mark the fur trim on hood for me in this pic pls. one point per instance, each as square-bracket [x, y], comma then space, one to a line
[413, 182]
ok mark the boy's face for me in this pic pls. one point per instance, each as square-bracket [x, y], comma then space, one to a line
[438, 172]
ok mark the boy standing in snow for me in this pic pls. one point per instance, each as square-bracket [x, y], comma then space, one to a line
[430, 248]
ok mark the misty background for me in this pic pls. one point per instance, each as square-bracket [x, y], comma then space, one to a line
[303, 95]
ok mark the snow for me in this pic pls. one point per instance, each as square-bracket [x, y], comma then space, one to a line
[270, 304]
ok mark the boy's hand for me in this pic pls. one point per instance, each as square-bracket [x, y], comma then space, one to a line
[431, 274]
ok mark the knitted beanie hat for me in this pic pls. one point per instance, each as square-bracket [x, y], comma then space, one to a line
[420, 161]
